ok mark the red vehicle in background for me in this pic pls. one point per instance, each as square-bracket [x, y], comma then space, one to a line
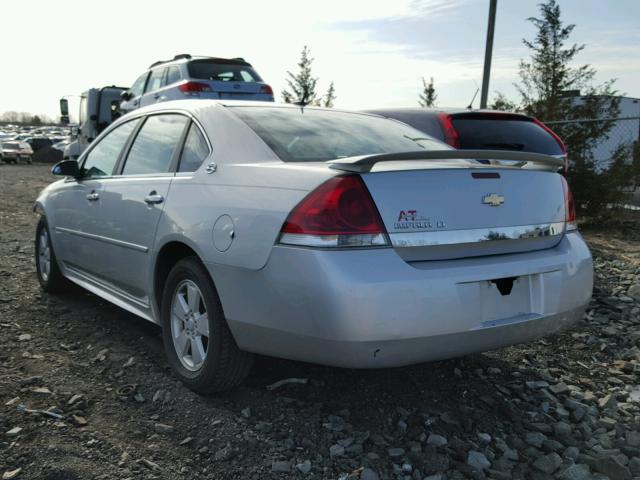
[481, 129]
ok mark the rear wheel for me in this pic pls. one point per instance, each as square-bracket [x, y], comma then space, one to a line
[197, 339]
[49, 275]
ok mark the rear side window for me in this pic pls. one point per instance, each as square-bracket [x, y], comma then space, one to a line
[487, 133]
[224, 72]
[103, 157]
[194, 152]
[310, 135]
[155, 144]
[173, 75]
[155, 80]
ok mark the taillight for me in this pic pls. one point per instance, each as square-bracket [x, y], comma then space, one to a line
[266, 89]
[193, 88]
[569, 207]
[450, 134]
[339, 213]
[558, 140]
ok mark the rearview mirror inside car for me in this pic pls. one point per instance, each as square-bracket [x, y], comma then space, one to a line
[67, 168]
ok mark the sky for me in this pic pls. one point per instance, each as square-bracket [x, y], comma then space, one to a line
[375, 51]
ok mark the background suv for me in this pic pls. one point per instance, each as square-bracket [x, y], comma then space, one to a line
[481, 129]
[13, 151]
[196, 77]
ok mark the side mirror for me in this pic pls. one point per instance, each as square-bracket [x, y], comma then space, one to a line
[66, 168]
[126, 95]
[64, 107]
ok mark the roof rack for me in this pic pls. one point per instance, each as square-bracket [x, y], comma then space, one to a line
[176, 57]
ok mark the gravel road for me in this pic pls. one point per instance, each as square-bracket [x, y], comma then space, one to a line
[85, 392]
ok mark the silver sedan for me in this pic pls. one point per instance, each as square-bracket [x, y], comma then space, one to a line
[326, 236]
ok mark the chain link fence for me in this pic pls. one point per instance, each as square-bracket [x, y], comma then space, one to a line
[620, 145]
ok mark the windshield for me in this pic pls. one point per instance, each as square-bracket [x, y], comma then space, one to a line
[312, 135]
[223, 72]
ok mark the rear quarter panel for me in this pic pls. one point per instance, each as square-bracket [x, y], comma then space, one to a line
[250, 185]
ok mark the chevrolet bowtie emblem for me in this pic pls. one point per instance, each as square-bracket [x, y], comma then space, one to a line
[493, 199]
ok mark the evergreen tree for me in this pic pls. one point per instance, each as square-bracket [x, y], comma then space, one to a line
[553, 88]
[301, 86]
[330, 97]
[501, 102]
[428, 96]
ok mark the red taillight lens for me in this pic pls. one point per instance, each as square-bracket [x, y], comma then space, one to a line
[450, 134]
[194, 87]
[338, 213]
[557, 139]
[266, 89]
[569, 207]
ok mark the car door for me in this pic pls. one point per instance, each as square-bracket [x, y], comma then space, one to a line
[133, 202]
[134, 94]
[76, 208]
[152, 91]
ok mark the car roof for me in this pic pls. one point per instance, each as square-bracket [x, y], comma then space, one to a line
[185, 58]
[197, 104]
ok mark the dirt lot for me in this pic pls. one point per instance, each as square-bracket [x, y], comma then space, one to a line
[101, 402]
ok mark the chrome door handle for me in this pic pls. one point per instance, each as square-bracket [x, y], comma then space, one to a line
[93, 196]
[153, 198]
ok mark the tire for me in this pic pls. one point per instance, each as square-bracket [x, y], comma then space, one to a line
[223, 365]
[51, 279]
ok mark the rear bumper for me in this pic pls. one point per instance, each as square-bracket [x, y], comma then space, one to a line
[369, 308]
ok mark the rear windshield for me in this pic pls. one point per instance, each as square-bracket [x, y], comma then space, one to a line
[224, 72]
[10, 146]
[487, 133]
[310, 135]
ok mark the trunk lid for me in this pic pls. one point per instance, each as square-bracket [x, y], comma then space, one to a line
[441, 213]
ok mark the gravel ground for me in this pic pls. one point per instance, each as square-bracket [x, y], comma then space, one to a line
[85, 392]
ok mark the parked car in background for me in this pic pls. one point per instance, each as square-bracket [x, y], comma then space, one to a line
[15, 151]
[61, 145]
[482, 129]
[38, 143]
[320, 235]
[196, 77]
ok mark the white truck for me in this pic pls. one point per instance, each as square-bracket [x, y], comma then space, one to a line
[98, 108]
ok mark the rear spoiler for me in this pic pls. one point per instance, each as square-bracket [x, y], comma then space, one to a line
[365, 163]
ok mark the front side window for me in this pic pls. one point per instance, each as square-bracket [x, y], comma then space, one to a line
[155, 144]
[102, 158]
[138, 86]
[312, 135]
[155, 80]
[194, 152]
